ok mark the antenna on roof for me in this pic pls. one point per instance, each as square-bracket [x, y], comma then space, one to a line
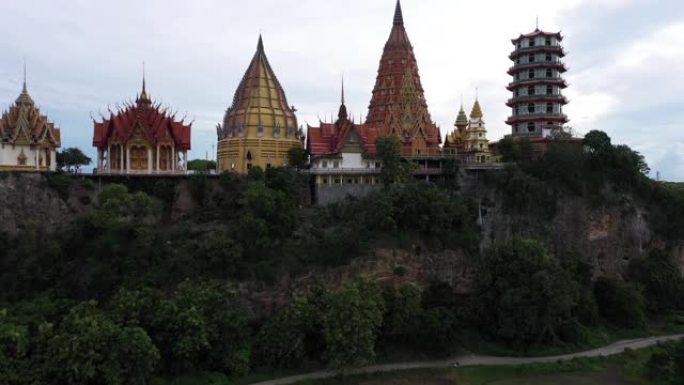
[536, 28]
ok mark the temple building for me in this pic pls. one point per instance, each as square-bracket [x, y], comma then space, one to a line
[343, 152]
[28, 141]
[476, 143]
[398, 104]
[141, 138]
[537, 101]
[259, 128]
[469, 140]
[454, 143]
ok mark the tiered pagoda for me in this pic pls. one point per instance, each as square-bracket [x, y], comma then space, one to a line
[28, 141]
[259, 128]
[537, 101]
[343, 152]
[398, 105]
[469, 140]
[141, 138]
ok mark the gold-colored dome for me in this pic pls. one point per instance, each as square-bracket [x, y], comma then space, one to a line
[259, 108]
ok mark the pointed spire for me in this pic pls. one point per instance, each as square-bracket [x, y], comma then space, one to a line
[398, 16]
[25, 89]
[260, 44]
[536, 28]
[342, 89]
[144, 91]
[477, 110]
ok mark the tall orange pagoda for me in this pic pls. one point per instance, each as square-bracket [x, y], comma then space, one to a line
[141, 138]
[398, 104]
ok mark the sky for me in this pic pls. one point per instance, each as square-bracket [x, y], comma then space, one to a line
[625, 59]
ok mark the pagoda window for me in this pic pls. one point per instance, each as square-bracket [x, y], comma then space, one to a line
[548, 41]
[548, 57]
[530, 59]
[549, 90]
[549, 108]
[530, 108]
[516, 127]
[249, 156]
[517, 110]
[531, 43]
[377, 165]
[530, 74]
[549, 73]
[530, 126]
[530, 90]
[324, 164]
[336, 164]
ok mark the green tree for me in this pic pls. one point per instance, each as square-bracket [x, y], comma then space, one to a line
[394, 168]
[662, 280]
[525, 295]
[267, 217]
[281, 341]
[89, 348]
[15, 347]
[71, 159]
[201, 165]
[351, 320]
[297, 157]
[621, 303]
[403, 310]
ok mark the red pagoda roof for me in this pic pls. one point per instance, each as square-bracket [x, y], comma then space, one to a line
[156, 124]
[538, 32]
[398, 104]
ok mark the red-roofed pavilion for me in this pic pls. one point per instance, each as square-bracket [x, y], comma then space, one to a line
[141, 138]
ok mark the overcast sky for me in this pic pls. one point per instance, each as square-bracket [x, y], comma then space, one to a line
[626, 60]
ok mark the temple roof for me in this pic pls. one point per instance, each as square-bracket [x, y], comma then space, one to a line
[23, 123]
[398, 104]
[142, 120]
[462, 119]
[538, 32]
[330, 138]
[259, 105]
[477, 110]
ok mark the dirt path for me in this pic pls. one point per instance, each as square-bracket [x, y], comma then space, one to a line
[475, 360]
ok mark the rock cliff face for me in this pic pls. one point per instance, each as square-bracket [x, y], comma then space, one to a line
[606, 236]
[27, 201]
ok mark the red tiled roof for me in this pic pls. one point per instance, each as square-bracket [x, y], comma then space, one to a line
[156, 123]
[329, 138]
[24, 116]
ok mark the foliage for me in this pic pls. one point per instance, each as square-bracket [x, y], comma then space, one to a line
[394, 168]
[662, 280]
[621, 303]
[667, 366]
[71, 159]
[525, 295]
[201, 165]
[351, 320]
[403, 310]
[119, 207]
[514, 150]
[297, 157]
[89, 348]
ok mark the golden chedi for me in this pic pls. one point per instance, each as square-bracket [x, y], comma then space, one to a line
[259, 128]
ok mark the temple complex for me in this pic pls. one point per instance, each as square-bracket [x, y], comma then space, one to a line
[28, 141]
[398, 104]
[343, 152]
[141, 138]
[259, 128]
[469, 140]
[537, 101]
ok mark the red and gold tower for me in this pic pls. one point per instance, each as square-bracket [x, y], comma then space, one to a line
[537, 101]
[398, 104]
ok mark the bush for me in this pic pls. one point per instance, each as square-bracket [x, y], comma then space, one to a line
[620, 303]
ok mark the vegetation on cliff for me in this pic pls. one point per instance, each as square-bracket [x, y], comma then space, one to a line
[126, 293]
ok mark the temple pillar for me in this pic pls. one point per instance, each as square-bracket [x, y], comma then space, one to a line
[53, 160]
[109, 159]
[158, 155]
[173, 158]
[128, 159]
[149, 160]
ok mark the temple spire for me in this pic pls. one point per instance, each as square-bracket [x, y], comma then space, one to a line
[342, 113]
[398, 16]
[144, 90]
[25, 89]
[260, 44]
